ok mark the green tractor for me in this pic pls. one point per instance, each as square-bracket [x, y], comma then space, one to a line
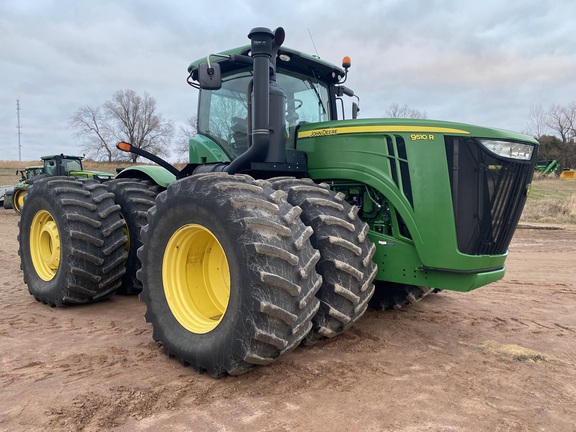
[54, 165]
[28, 173]
[288, 221]
[547, 168]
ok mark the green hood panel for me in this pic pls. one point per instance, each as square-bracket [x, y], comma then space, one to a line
[410, 126]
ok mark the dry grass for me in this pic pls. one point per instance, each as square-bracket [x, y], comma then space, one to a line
[551, 201]
[9, 175]
[515, 352]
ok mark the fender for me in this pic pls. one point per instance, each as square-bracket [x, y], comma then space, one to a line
[159, 175]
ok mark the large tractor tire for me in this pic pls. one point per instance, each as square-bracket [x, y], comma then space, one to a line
[390, 295]
[135, 198]
[18, 199]
[228, 273]
[346, 253]
[8, 199]
[71, 241]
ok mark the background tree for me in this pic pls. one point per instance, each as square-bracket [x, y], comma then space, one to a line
[184, 134]
[555, 129]
[126, 117]
[396, 110]
[92, 128]
[537, 121]
[562, 120]
[550, 148]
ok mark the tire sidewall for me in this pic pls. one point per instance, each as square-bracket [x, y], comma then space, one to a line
[224, 338]
[47, 290]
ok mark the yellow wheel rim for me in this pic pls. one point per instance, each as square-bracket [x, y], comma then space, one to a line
[19, 199]
[196, 278]
[45, 245]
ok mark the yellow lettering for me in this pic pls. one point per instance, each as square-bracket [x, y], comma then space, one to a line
[323, 132]
[422, 137]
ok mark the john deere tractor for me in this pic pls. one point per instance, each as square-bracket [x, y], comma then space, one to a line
[289, 219]
[8, 192]
[53, 165]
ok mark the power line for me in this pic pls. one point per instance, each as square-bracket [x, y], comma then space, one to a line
[18, 127]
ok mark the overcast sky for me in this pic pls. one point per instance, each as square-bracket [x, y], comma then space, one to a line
[483, 61]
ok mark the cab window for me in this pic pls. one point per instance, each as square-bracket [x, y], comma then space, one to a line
[223, 114]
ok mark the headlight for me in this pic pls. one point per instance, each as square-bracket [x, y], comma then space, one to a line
[509, 149]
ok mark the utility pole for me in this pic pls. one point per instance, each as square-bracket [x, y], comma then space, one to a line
[18, 127]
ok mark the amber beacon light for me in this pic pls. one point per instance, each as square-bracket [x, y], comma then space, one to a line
[124, 146]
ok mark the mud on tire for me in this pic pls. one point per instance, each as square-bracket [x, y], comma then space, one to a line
[247, 292]
[346, 253]
[71, 241]
[135, 198]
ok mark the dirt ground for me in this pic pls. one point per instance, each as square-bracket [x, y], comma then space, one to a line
[501, 358]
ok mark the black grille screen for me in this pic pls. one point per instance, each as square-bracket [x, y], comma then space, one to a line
[488, 195]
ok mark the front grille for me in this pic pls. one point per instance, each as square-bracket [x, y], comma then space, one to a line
[488, 194]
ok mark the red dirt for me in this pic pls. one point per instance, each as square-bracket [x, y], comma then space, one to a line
[501, 358]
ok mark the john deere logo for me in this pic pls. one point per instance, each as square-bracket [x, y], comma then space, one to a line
[324, 132]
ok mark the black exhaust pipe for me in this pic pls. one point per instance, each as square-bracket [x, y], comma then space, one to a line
[268, 101]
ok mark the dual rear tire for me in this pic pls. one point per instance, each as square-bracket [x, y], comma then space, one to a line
[346, 254]
[71, 241]
[135, 197]
[234, 272]
[228, 273]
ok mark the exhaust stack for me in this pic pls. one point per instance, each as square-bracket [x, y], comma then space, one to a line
[267, 103]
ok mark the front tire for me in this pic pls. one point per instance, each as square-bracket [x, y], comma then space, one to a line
[228, 273]
[71, 241]
[18, 199]
[8, 199]
[346, 253]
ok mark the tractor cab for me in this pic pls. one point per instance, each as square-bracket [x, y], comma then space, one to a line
[223, 113]
[61, 165]
[308, 90]
[71, 166]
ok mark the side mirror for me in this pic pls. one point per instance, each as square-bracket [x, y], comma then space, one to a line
[343, 90]
[355, 109]
[209, 76]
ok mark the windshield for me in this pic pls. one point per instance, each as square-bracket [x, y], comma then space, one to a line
[71, 165]
[223, 113]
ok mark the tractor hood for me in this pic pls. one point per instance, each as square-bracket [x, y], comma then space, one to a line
[422, 129]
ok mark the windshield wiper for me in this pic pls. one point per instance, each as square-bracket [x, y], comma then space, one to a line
[320, 103]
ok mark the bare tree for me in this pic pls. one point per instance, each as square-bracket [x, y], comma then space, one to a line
[91, 127]
[184, 134]
[561, 119]
[404, 111]
[537, 121]
[571, 119]
[126, 117]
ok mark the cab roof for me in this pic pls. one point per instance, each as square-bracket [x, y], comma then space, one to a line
[62, 156]
[287, 58]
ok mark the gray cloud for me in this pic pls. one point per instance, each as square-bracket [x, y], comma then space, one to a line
[478, 62]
